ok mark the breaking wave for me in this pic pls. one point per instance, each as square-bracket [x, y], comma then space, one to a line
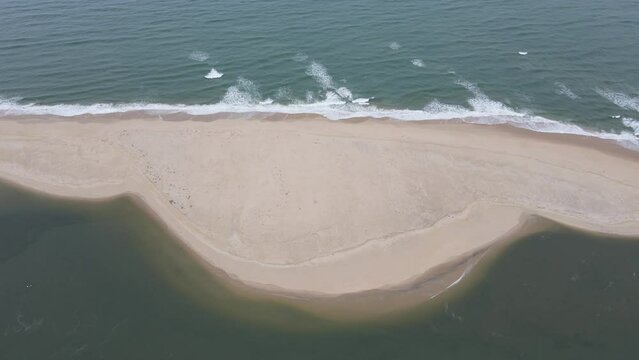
[320, 74]
[334, 94]
[243, 93]
[633, 124]
[244, 98]
[620, 99]
[337, 103]
[214, 74]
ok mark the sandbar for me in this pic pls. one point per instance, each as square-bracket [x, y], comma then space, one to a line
[315, 207]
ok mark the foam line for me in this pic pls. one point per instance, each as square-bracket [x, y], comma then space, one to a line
[339, 104]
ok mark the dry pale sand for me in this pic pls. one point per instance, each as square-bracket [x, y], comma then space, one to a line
[308, 205]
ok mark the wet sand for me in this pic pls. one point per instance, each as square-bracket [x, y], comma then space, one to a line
[316, 208]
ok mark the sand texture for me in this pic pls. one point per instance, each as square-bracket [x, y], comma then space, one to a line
[315, 206]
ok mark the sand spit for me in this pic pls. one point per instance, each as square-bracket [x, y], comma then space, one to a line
[311, 206]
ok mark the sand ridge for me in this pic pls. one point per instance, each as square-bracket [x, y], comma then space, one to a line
[329, 207]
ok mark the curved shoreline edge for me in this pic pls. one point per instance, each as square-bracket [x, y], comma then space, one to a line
[474, 184]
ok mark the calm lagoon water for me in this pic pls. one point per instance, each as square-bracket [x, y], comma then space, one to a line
[103, 280]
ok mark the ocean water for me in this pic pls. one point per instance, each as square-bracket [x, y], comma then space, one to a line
[558, 66]
[103, 280]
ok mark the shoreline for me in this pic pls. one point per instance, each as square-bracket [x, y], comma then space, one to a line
[389, 304]
[88, 159]
[536, 124]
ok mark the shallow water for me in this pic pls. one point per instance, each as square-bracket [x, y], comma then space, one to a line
[440, 59]
[104, 280]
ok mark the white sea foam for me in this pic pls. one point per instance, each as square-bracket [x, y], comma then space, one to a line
[300, 57]
[633, 124]
[244, 96]
[199, 56]
[284, 94]
[243, 93]
[310, 97]
[334, 94]
[267, 101]
[344, 93]
[418, 63]
[320, 74]
[564, 90]
[620, 99]
[361, 101]
[214, 74]
[394, 45]
[482, 104]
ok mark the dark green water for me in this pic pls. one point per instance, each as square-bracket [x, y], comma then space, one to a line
[412, 59]
[105, 281]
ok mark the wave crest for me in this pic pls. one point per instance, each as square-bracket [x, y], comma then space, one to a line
[214, 74]
[620, 99]
[339, 103]
[244, 92]
[633, 124]
[321, 76]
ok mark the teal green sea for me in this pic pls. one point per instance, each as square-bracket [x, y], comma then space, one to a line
[103, 280]
[412, 59]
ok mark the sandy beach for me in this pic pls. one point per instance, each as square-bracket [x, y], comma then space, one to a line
[311, 206]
